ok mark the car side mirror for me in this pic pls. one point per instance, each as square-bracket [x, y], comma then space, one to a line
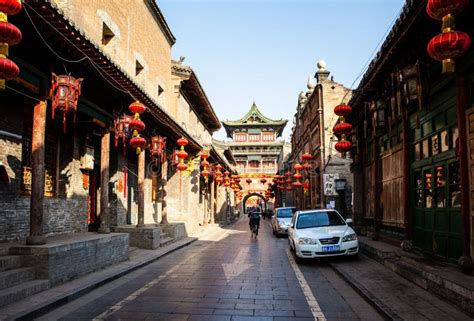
[348, 220]
[273, 216]
[292, 225]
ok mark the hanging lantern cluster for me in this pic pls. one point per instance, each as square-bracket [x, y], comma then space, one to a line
[297, 176]
[226, 179]
[449, 44]
[10, 35]
[158, 148]
[65, 92]
[182, 154]
[122, 130]
[136, 125]
[218, 178]
[280, 182]
[205, 164]
[343, 128]
[306, 157]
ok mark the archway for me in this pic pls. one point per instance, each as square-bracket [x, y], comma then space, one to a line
[254, 195]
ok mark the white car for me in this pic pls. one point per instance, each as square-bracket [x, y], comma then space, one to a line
[321, 233]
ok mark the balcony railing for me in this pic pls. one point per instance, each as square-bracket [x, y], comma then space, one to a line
[266, 170]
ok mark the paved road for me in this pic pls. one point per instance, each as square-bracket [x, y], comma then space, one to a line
[225, 276]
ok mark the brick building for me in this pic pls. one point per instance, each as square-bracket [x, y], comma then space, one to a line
[65, 176]
[312, 133]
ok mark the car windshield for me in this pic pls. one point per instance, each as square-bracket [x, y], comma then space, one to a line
[284, 212]
[319, 219]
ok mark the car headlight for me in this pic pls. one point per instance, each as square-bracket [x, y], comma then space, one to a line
[282, 224]
[307, 240]
[350, 237]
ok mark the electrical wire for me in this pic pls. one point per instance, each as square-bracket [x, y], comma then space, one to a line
[23, 94]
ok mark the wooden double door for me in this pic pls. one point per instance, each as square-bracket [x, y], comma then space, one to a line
[437, 219]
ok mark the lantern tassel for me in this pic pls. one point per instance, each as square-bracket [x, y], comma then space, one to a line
[448, 66]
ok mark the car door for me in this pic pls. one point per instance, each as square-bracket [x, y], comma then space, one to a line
[291, 228]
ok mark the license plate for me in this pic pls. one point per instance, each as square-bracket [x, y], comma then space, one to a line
[333, 248]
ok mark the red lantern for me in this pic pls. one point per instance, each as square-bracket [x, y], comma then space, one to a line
[226, 184]
[288, 181]
[10, 7]
[8, 69]
[205, 173]
[182, 142]
[218, 180]
[181, 154]
[289, 189]
[342, 128]
[237, 179]
[437, 9]
[343, 110]
[158, 147]
[343, 146]
[182, 167]
[138, 142]
[137, 108]
[307, 157]
[219, 167]
[9, 33]
[122, 129]
[204, 155]
[448, 46]
[298, 167]
[137, 124]
[65, 92]
[205, 163]
[297, 184]
[297, 176]
[306, 186]
[307, 166]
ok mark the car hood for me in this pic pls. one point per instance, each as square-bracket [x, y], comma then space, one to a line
[324, 232]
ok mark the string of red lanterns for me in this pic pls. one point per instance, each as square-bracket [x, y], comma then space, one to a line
[9, 35]
[343, 128]
[449, 44]
[136, 125]
[306, 157]
[182, 154]
[205, 164]
[297, 176]
[219, 174]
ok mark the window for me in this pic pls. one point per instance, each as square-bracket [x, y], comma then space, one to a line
[107, 34]
[138, 67]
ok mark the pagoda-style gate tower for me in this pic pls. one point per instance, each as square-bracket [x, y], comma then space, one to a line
[256, 150]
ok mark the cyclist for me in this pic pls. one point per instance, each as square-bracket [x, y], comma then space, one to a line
[254, 217]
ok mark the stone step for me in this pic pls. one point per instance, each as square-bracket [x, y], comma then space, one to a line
[165, 241]
[14, 277]
[22, 291]
[163, 235]
[9, 262]
[132, 249]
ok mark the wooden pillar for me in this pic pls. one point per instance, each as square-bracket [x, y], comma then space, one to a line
[462, 104]
[141, 189]
[164, 180]
[378, 188]
[37, 175]
[213, 202]
[104, 183]
[406, 177]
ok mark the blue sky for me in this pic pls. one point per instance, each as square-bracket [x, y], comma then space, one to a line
[264, 50]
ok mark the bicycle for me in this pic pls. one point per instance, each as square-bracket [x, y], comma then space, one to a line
[254, 231]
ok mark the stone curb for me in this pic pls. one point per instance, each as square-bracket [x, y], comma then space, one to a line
[385, 311]
[28, 313]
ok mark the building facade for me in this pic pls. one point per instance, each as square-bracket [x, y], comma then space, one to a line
[256, 151]
[312, 133]
[412, 164]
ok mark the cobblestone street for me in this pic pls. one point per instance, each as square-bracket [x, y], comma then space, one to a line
[229, 276]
